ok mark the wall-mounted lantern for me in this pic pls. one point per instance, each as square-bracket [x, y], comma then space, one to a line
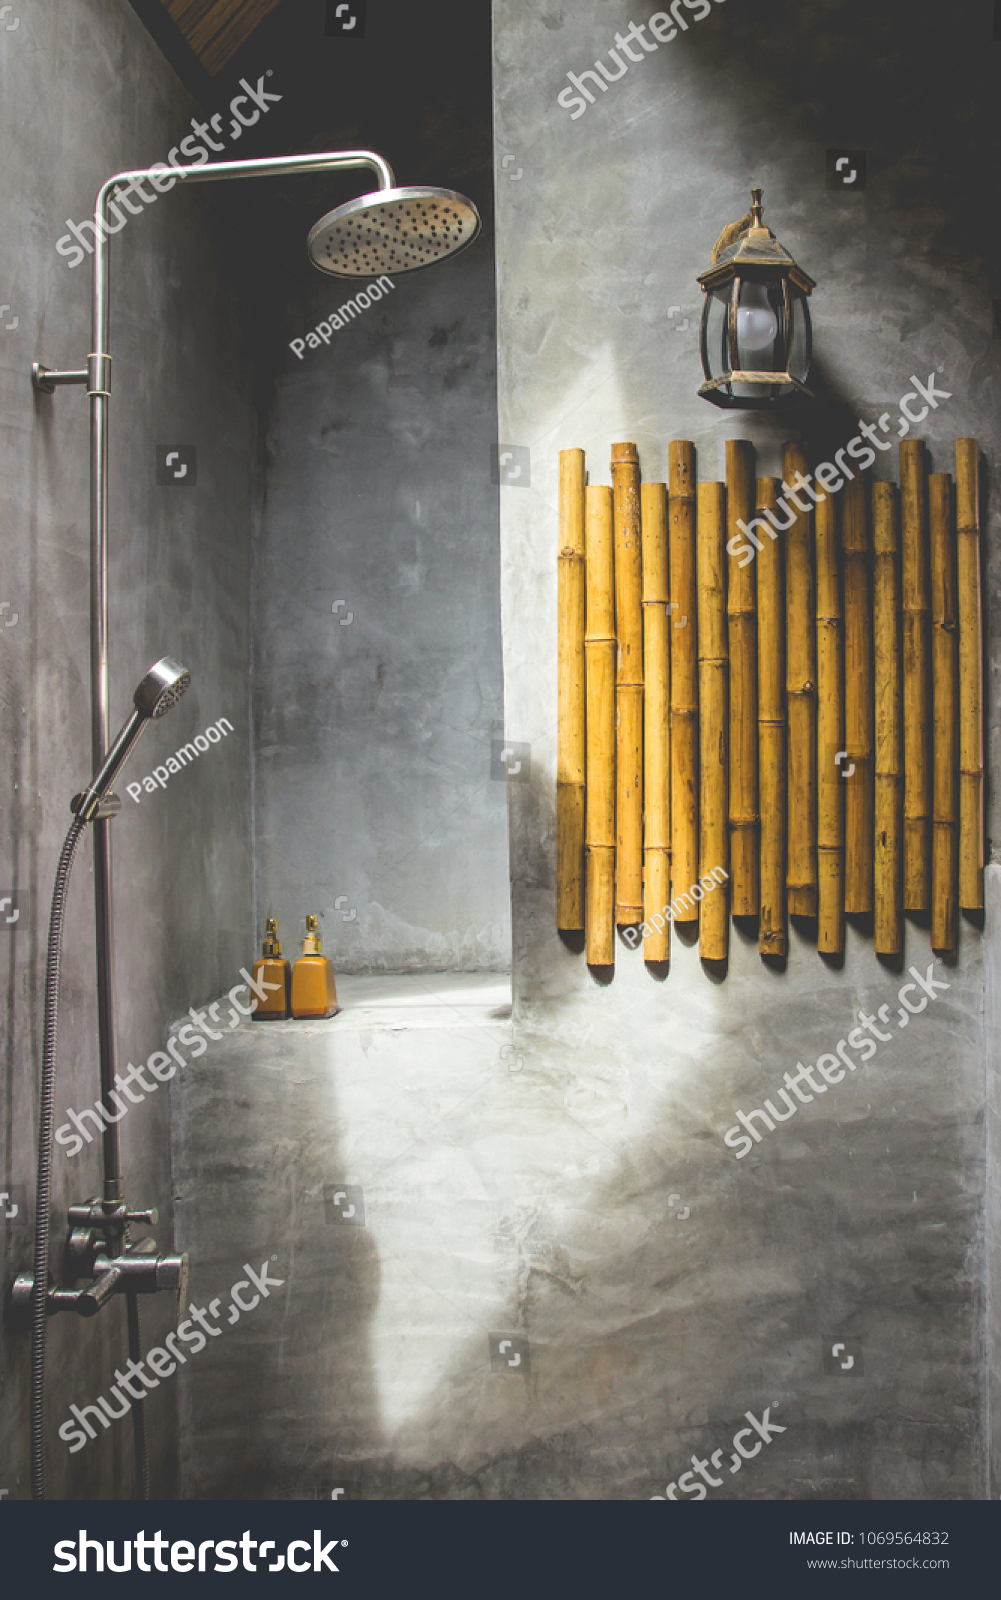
[756, 334]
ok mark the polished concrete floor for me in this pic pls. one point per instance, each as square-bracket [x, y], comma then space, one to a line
[515, 1260]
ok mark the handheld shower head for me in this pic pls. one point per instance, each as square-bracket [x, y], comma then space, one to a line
[162, 687]
[392, 231]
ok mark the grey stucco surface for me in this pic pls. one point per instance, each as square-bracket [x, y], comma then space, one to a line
[374, 722]
[84, 94]
[558, 1176]
[866, 1214]
[563, 1178]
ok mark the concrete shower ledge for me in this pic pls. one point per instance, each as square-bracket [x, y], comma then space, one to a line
[409, 1000]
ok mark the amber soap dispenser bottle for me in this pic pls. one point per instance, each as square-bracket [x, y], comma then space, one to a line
[277, 975]
[314, 993]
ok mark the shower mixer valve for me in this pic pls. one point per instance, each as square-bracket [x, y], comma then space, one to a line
[93, 1250]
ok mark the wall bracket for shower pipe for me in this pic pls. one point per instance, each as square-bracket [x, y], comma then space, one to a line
[96, 375]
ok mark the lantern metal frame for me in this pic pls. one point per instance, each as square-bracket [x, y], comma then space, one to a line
[748, 252]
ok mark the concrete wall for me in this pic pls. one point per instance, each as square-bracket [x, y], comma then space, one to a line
[569, 1186]
[561, 1181]
[375, 802]
[866, 1216]
[85, 94]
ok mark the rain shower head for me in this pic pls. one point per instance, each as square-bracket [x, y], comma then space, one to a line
[161, 688]
[392, 231]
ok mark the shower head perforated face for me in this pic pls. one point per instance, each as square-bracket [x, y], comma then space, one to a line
[162, 687]
[392, 231]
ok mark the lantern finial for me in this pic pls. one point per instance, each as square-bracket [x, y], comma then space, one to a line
[757, 230]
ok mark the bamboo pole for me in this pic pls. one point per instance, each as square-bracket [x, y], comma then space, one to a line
[742, 628]
[914, 607]
[830, 734]
[888, 922]
[628, 686]
[599, 652]
[684, 669]
[571, 694]
[858, 695]
[771, 733]
[945, 746]
[801, 704]
[713, 670]
[656, 722]
[971, 722]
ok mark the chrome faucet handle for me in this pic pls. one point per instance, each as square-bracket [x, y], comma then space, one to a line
[89, 1301]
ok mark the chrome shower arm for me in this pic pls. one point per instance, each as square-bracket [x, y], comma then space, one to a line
[267, 167]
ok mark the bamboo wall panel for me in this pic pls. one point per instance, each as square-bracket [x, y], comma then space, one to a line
[971, 720]
[830, 734]
[888, 921]
[945, 714]
[856, 629]
[915, 619]
[599, 650]
[628, 686]
[771, 732]
[656, 721]
[741, 609]
[684, 668]
[571, 694]
[855, 546]
[801, 701]
[713, 672]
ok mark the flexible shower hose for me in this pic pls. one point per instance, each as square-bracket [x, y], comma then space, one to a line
[39, 1290]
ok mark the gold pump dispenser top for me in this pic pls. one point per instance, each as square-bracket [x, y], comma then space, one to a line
[312, 944]
[272, 943]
